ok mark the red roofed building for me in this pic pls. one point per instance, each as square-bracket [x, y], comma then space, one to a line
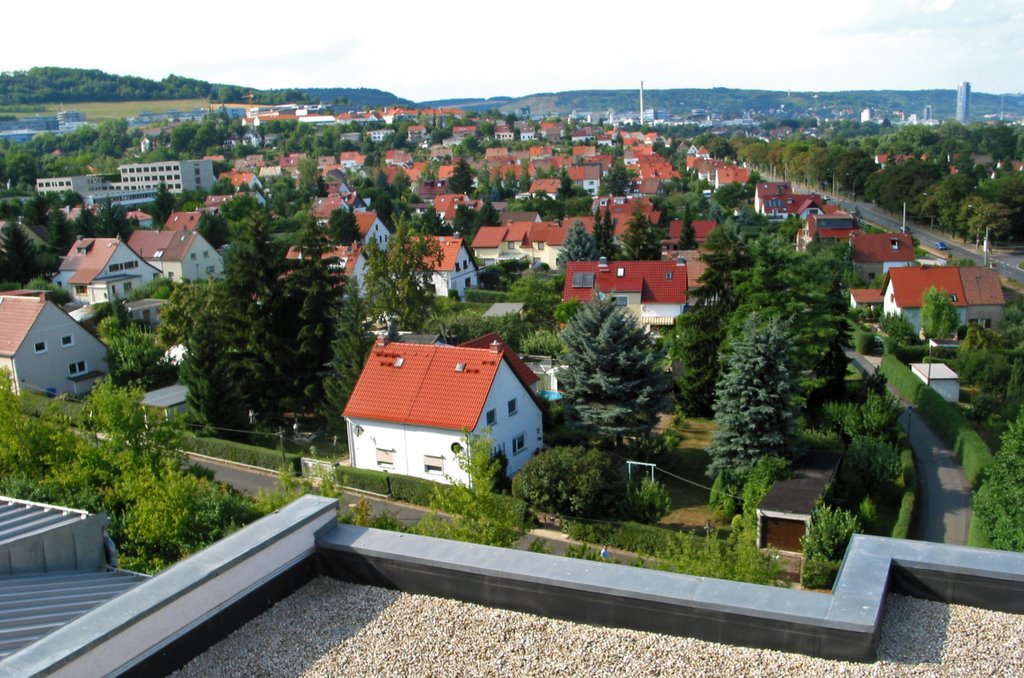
[43, 349]
[875, 253]
[350, 260]
[448, 203]
[414, 403]
[975, 292]
[372, 228]
[835, 227]
[178, 255]
[323, 208]
[538, 242]
[546, 186]
[456, 271]
[731, 174]
[183, 221]
[866, 297]
[653, 291]
[102, 269]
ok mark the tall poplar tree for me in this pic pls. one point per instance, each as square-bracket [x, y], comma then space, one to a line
[604, 234]
[349, 350]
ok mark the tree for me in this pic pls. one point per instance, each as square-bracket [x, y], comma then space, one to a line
[539, 295]
[604, 234]
[938, 315]
[687, 237]
[349, 350]
[616, 181]
[462, 178]
[999, 503]
[214, 400]
[342, 226]
[830, 532]
[162, 205]
[487, 215]
[640, 241]
[577, 246]
[59, 231]
[570, 481]
[612, 374]
[134, 356]
[395, 283]
[19, 259]
[754, 411]
[214, 228]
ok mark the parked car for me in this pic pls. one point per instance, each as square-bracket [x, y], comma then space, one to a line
[941, 246]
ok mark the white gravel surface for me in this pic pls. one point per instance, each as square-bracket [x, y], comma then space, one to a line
[331, 628]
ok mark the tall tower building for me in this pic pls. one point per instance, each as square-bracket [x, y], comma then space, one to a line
[963, 102]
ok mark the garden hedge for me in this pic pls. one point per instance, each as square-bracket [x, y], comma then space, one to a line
[905, 518]
[263, 457]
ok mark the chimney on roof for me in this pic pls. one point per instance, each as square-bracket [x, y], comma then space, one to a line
[602, 262]
[496, 346]
[382, 341]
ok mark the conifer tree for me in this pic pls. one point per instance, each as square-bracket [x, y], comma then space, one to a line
[349, 350]
[754, 411]
[488, 216]
[59, 231]
[687, 237]
[640, 241]
[462, 178]
[577, 246]
[604, 234]
[612, 374]
[214, 399]
[19, 259]
[342, 226]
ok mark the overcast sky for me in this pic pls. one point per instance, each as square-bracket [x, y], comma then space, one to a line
[476, 48]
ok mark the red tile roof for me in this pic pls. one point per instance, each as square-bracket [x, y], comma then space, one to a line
[877, 248]
[522, 370]
[982, 286]
[365, 221]
[867, 295]
[17, 315]
[425, 385]
[450, 248]
[910, 283]
[88, 258]
[658, 282]
[549, 186]
[347, 256]
[183, 221]
[162, 245]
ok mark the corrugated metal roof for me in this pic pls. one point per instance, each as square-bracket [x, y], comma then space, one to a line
[33, 606]
[21, 518]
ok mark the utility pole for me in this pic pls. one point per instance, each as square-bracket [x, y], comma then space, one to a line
[985, 258]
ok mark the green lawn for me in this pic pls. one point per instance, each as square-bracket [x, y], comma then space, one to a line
[97, 111]
[689, 461]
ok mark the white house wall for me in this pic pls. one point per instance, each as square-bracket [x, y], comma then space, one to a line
[50, 370]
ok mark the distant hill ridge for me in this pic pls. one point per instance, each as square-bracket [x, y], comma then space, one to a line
[54, 85]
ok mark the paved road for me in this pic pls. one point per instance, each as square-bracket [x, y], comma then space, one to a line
[1005, 259]
[944, 495]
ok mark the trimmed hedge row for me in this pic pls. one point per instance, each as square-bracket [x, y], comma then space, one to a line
[487, 296]
[945, 419]
[402, 488]
[263, 457]
[863, 341]
[905, 518]
[901, 377]
[35, 405]
[628, 536]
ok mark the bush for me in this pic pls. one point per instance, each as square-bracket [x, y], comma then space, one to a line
[831, 529]
[486, 296]
[36, 405]
[569, 481]
[363, 479]
[262, 457]
[413, 490]
[819, 574]
[905, 518]
[863, 342]
[948, 423]
[723, 492]
[901, 378]
[647, 502]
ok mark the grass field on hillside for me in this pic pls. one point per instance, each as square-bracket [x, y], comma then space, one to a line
[97, 111]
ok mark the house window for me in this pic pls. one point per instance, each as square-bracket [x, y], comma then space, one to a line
[192, 256]
[385, 458]
[513, 407]
[952, 296]
[206, 254]
[127, 287]
[492, 417]
[519, 443]
[621, 301]
[77, 368]
[40, 347]
[432, 464]
[540, 245]
[67, 340]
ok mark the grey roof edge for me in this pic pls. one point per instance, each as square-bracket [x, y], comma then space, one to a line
[871, 568]
[89, 635]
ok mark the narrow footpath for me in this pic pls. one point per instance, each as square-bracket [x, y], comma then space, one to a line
[944, 496]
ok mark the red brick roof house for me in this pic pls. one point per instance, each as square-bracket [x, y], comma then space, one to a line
[183, 221]
[874, 254]
[835, 227]
[456, 271]
[538, 242]
[102, 269]
[701, 229]
[622, 209]
[43, 349]
[414, 403]
[547, 186]
[655, 292]
[866, 297]
[372, 228]
[178, 255]
[975, 292]
[447, 205]
[350, 260]
[731, 174]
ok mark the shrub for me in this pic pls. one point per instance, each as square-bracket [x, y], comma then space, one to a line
[413, 490]
[863, 342]
[486, 296]
[819, 574]
[905, 518]
[647, 502]
[363, 479]
[831, 529]
[948, 423]
[569, 481]
[253, 455]
[901, 378]
[723, 492]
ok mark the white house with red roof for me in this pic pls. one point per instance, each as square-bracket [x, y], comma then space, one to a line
[101, 269]
[45, 350]
[653, 291]
[179, 255]
[456, 271]
[874, 254]
[350, 260]
[372, 228]
[976, 292]
[836, 227]
[413, 405]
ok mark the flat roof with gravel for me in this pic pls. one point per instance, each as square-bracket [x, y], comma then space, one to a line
[357, 630]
